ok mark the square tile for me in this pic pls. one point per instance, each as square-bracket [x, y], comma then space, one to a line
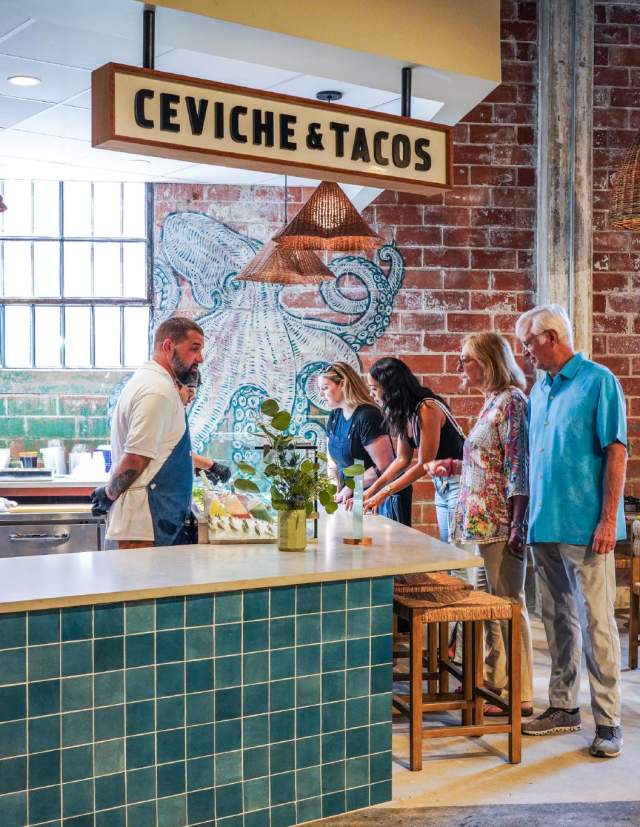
[141, 751]
[141, 683]
[77, 798]
[228, 735]
[256, 604]
[282, 757]
[199, 642]
[77, 763]
[201, 806]
[283, 788]
[381, 591]
[333, 716]
[200, 740]
[381, 620]
[357, 771]
[381, 708]
[308, 690]
[141, 785]
[283, 695]
[256, 636]
[333, 656]
[308, 629]
[282, 725]
[308, 598]
[333, 625]
[109, 688]
[228, 800]
[228, 607]
[307, 752]
[13, 630]
[357, 712]
[228, 671]
[380, 792]
[228, 639]
[43, 662]
[170, 712]
[282, 633]
[255, 667]
[143, 814]
[200, 674]
[256, 731]
[44, 733]
[13, 808]
[283, 601]
[308, 782]
[108, 654]
[358, 682]
[108, 756]
[381, 649]
[357, 742]
[45, 804]
[358, 622]
[334, 596]
[256, 794]
[307, 659]
[170, 778]
[139, 650]
[13, 702]
[13, 739]
[380, 679]
[199, 610]
[380, 766]
[108, 620]
[115, 817]
[110, 791]
[333, 686]
[333, 777]
[170, 646]
[169, 679]
[170, 613]
[77, 693]
[200, 708]
[172, 811]
[12, 666]
[77, 623]
[255, 762]
[43, 627]
[380, 737]
[228, 768]
[170, 746]
[140, 717]
[307, 721]
[358, 593]
[255, 699]
[357, 798]
[13, 773]
[333, 746]
[77, 658]
[283, 663]
[109, 722]
[258, 818]
[140, 616]
[44, 698]
[228, 703]
[284, 815]
[77, 728]
[309, 810]
[200, 773]
[357, 652]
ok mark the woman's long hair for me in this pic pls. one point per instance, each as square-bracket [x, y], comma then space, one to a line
[401, 393]
[353, 387]
[499, 365]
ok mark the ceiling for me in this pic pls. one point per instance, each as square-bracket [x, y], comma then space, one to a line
[45, 130]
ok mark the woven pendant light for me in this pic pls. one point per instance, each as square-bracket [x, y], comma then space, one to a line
[275, 265]
[624, 207]
[328, 221]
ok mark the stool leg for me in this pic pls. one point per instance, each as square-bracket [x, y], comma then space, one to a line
[432, 655]
[467, 671]
[515, 686]
[443, 655]
[478, 671]
[415, 693]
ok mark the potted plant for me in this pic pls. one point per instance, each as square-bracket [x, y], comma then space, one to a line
[295, 480]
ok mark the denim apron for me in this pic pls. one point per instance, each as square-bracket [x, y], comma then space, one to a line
[169, 494]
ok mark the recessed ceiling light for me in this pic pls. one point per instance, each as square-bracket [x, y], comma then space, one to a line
[24, 80]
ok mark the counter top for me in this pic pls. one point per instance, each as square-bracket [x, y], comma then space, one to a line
[84, 578]
[48, 482]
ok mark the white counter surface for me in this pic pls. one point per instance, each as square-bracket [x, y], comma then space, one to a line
[48, 482]
[84, 578]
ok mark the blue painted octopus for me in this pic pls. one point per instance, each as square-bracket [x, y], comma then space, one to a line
[256, 347]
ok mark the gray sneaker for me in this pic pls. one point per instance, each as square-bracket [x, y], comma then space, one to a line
[552, 720]
[607, 743]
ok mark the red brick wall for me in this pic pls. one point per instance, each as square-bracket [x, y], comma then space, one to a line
[469, 252]
[616, 254]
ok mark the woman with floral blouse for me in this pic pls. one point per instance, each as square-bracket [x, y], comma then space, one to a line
[494, 492]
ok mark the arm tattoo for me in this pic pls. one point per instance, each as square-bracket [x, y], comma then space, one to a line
[119, 483]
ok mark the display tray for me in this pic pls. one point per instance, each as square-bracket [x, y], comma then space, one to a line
[25, 473]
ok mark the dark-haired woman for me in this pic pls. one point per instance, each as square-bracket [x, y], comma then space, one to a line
[419, 420]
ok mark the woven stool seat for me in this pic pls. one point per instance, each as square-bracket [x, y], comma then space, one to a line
[450, 606]
[406, 584]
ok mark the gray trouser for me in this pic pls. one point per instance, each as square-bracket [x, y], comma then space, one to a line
[577, 592]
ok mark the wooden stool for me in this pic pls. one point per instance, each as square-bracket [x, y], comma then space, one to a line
[634, 596]
[472, 609]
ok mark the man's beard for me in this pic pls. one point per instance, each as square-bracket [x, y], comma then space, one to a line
[185, 374]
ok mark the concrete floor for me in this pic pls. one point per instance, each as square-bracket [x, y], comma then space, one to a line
[558, 768]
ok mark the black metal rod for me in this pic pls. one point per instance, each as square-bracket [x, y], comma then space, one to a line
[148, 38]
[406, 92]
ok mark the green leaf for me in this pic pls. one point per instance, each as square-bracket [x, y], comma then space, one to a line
[240, 484]
[269, 407]
[353, 471]
[307, 466]
[331, 507]
[281, 421]
[271, 469]
[245, 468]
[324, 497]
[350, 483]
[322, 456]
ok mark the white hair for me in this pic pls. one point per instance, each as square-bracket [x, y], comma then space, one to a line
[547, 317]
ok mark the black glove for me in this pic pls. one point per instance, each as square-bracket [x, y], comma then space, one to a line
[100, 502]
[218, 473]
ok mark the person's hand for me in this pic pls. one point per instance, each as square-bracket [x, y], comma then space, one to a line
[101, 502]
[604, 537]
[344, 495]
[217, 472]
[516, 541]
[373, 502]
[440, 467]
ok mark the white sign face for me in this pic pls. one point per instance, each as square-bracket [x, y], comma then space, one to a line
[148, 112]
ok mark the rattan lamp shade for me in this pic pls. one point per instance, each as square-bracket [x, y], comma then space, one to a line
[328, 221]
[275, 265]
[624, 207]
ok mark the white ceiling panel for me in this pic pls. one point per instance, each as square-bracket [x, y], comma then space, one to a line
[63, 121]
[83, 101]
[222, 69]
[306, 86]
[421, 109]
[58, 82]
[15, 110]
[11, 18]
[41, 147]
[209, 174]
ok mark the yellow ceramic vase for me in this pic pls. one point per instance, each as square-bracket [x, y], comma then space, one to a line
[292, 530]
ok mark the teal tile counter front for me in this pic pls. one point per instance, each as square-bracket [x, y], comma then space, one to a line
[260, 708]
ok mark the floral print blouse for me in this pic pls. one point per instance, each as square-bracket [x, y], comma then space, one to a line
[495, 467]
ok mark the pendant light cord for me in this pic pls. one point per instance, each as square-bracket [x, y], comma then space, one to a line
[286, 201]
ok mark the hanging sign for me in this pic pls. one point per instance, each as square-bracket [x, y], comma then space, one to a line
[171, 116]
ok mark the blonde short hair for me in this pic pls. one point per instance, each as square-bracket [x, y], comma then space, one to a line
[547, 317]
[499, 364]
[353, 387]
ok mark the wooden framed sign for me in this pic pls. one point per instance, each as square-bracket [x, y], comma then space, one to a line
[171, 116]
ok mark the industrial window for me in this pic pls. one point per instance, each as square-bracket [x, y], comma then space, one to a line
[74, 275]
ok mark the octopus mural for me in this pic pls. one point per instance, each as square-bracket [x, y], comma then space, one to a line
[256, 347]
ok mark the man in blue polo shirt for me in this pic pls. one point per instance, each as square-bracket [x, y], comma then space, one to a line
[578, 456]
